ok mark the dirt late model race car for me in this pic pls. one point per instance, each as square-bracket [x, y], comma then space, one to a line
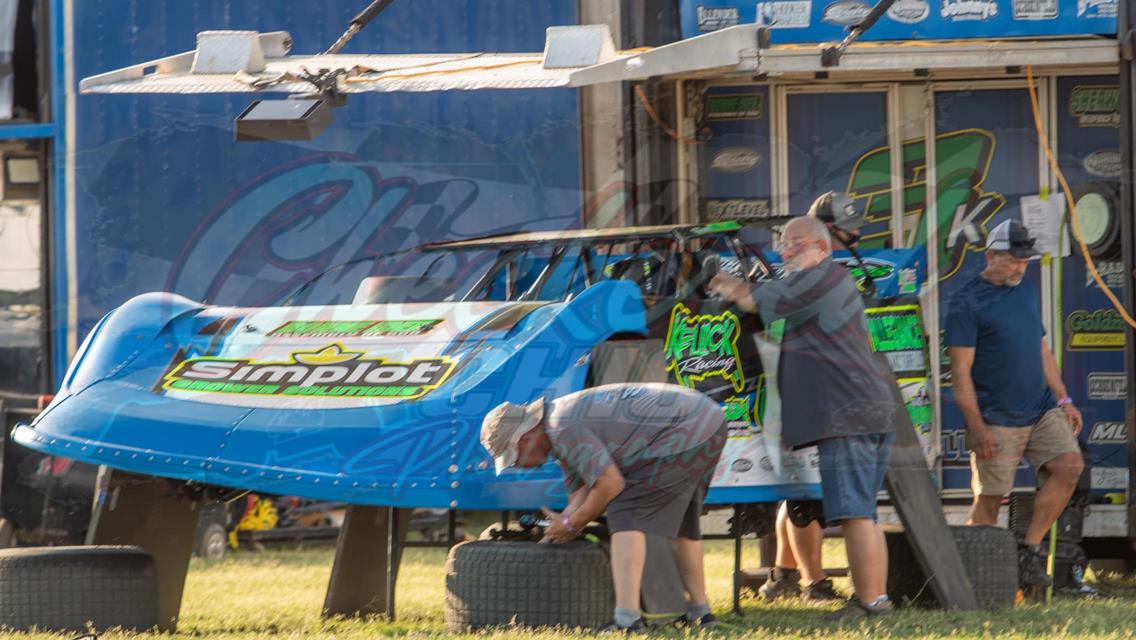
[369, 384]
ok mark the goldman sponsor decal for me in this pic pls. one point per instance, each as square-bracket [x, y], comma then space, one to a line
[1098, 330]
[909, 11]
[846, 12]
[331, 372]
[735, 160]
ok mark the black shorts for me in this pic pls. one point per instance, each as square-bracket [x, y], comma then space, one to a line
[663, 496]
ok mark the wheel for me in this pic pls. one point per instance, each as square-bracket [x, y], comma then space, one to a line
[65, 588]
[989, 555]
[213, 543]
[529, 584]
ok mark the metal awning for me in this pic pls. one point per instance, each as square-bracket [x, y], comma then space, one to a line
[574, 56]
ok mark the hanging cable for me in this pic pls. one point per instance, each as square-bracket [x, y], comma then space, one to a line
[357, 23]
[674, 135]
[1070, 206]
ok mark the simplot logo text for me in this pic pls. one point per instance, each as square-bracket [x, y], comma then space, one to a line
[330, 372]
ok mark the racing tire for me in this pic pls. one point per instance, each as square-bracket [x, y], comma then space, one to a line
[989, 556]
[527, 584]
[78, 588]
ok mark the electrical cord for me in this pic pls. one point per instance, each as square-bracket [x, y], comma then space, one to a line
[1070, 206]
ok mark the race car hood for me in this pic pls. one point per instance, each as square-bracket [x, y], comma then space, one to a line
[255, 398]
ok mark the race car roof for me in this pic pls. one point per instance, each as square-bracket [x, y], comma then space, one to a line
[574, 56]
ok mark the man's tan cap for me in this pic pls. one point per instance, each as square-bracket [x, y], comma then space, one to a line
[503, 427]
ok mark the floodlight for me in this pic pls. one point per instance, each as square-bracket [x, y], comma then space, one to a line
[289, 119]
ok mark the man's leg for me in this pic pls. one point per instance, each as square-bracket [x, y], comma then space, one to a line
[786, 556]
[867, 558]
[628, 553]
[807, 543]
[688, 556]
[984, 510]
[1054, 494]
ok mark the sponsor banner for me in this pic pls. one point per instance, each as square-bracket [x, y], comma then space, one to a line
[1108, 433]
[741, 106]
[740, 209]
[738, 120]
[793, 22]
[1103, 164]
[1095, 330]
[1107, 386]
[1095, 105]
[735, 160]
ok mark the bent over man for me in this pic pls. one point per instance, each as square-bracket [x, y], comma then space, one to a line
[645, 452]
[1010, 393]
[834, 394]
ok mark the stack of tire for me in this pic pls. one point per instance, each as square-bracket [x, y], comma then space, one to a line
[499, 583]
[989, 555]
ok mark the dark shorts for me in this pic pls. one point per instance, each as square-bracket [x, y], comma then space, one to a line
[852, 472]
[663, 496]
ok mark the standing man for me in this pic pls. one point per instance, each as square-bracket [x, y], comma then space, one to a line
[645, 452]
[834, 393]
[1010, 393]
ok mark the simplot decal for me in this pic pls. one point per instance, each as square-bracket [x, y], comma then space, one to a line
[352, 328]
[331, 372]
[714, 18]
[793, 14]
[956, 10]
[1095, 105]
[909, 11]
[1099, 330]
[702, 346]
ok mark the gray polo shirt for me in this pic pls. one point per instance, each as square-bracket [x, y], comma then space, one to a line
[831, 383]
[625, 424]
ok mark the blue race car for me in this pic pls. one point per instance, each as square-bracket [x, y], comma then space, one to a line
[369, 384]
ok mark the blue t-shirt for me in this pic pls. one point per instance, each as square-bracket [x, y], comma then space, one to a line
[1003, 324]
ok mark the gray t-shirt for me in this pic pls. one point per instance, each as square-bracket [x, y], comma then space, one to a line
[831, 383]
[625, 424]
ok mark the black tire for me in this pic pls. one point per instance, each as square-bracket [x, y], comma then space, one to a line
[989, 555]
[528, 584]
[214, 542]
[1098, 204]
[67, 588]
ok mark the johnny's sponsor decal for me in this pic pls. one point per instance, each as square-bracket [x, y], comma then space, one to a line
[735, 160]
[793, 14]
[352, 328]
[737, 209]
[956, 10]
[846, 12]
[735, 106]
[909, 11]
[1098, 330]
[331, 372]
[1104, 163]
[1108, 433]
[1035, 9]
[1097, 8]
[1107, 386]
[703, 346]
[714, 18]
[1095, 105]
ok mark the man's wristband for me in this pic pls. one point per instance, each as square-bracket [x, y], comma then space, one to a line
[567, 522]
[1065, 401]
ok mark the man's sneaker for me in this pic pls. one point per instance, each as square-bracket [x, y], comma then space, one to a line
[782, 583]
[856, 610]
[636, 627]
[1031, 567]
[821, 590]
[707, 621]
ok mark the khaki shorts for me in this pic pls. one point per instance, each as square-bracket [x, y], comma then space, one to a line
[1046, 439]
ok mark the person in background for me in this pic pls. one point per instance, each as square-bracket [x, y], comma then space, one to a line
[1009, 390]
[834, 394]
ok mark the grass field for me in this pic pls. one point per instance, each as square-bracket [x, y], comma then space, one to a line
[278, 594]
